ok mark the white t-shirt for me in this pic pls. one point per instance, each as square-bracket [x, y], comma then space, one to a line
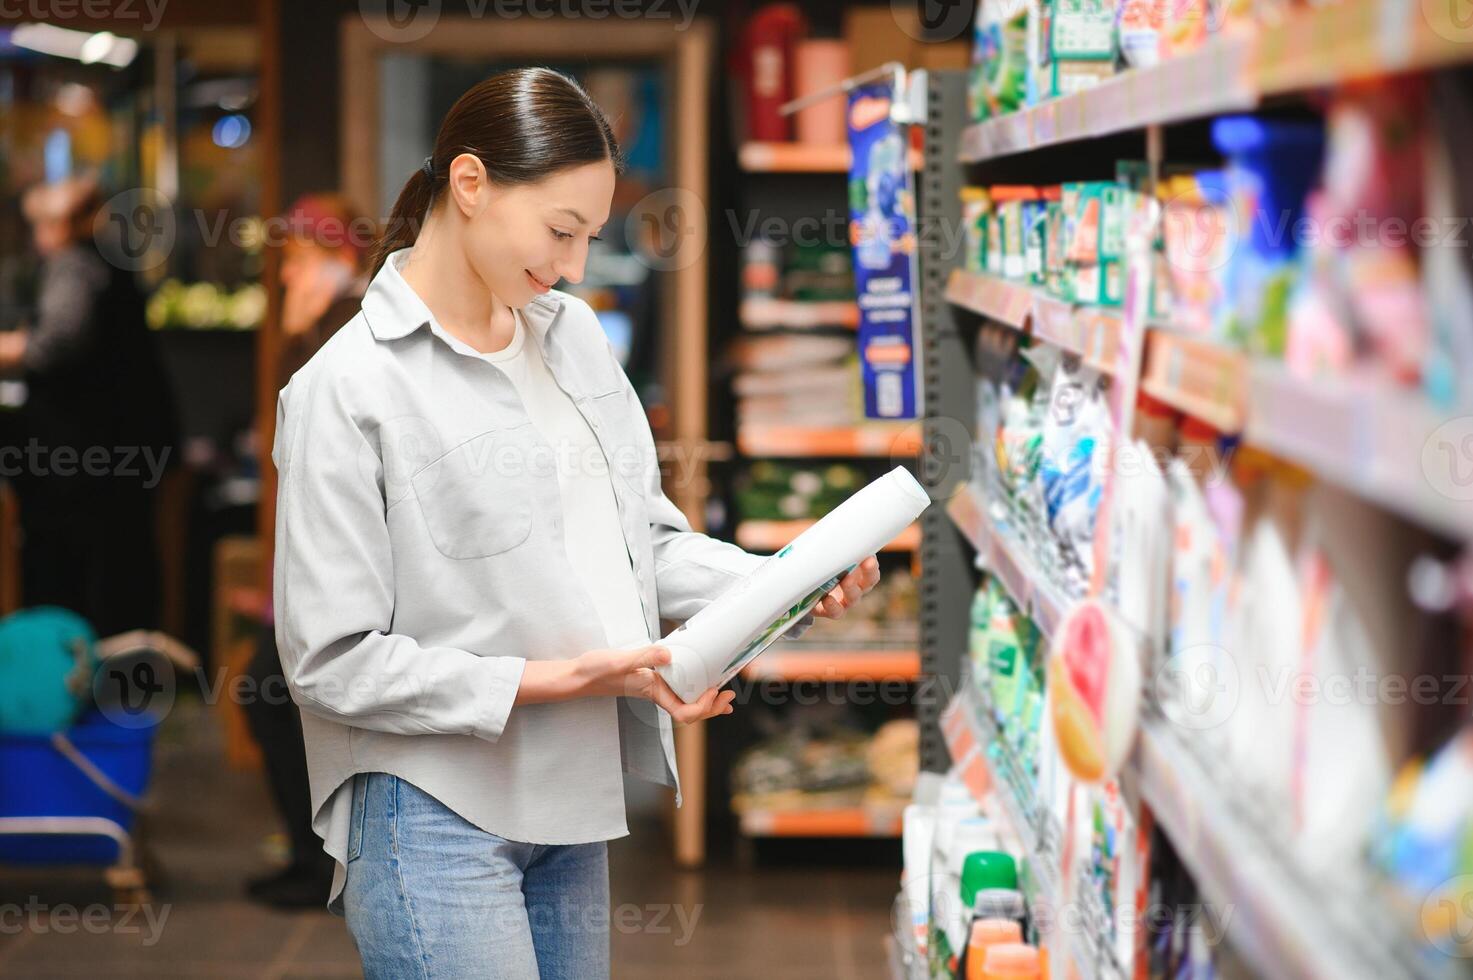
[592, 534]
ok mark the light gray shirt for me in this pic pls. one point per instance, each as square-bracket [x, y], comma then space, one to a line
[420, 564]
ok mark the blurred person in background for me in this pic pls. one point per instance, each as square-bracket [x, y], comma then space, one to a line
[323, 276]
[98, 427]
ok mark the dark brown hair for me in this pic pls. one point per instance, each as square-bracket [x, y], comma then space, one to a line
[524, 125]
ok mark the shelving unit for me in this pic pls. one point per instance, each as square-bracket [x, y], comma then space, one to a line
[796, 662]
[989, 763]
[800, 158]
[798, 182]
[1363, 434]
[877, 440]
[771, 314]
[1091, 333]
[853, 821]
[1236, 71]
[770, 536]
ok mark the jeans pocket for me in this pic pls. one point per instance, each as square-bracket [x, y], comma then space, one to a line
[355, 823]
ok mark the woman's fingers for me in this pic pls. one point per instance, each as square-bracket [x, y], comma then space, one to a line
[651, 657]
[710, 704]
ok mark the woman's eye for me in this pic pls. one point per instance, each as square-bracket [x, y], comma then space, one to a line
[561, 236]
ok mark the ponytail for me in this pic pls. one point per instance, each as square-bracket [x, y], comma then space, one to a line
[410, 211]
[540, 122]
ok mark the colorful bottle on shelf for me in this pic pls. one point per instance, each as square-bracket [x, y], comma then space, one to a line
[1012, 961]
[987, 933]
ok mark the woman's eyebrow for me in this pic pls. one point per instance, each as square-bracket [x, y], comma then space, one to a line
[576, 216]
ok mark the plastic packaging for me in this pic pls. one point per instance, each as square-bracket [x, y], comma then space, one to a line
[987, 933]
[715, 643]
[1011, 961]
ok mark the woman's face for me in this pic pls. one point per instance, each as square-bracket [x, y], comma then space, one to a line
[525, 238]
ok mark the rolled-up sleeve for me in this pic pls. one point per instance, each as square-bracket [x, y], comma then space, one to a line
[333, 587]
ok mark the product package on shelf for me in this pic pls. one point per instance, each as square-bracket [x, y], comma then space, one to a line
[829, 766]
[882, 230]
[713, 645]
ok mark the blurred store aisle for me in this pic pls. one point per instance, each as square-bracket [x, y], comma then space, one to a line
[773, 922]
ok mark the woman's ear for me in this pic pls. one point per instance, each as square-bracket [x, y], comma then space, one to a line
[469, 184]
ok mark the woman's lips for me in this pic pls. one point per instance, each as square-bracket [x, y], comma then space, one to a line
[537, 284]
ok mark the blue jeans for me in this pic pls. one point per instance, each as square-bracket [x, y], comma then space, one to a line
[430, 896]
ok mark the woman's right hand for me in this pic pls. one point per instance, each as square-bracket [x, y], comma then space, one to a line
[617, 673]
[633, 674]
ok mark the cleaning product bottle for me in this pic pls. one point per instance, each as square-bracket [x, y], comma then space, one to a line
[984, 873]
[1012, 961]
[987, 933]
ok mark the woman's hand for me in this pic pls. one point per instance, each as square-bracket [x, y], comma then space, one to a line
[632, 674]
[851, 589]
[618, 673]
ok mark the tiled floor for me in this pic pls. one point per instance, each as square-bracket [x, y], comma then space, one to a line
[773, 921]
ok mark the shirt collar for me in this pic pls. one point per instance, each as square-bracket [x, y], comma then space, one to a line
[394, 310]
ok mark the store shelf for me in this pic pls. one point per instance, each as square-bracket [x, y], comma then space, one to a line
[1093, 334]
[1350, 41]
[800, 158]
[837, 664]
[1007, 558]
[880, 439]
[772, 536]
[1202, 379]
[772, 314]
[1215, 78]
[988, 763]
[856, 821]
[1283, 924]
[1308, 49]
[1369, 436]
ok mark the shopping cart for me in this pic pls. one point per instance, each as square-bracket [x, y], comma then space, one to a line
[79, 797]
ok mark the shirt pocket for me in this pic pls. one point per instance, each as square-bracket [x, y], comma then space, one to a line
[474, 498]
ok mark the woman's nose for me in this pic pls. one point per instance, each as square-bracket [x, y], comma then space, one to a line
[571, 270]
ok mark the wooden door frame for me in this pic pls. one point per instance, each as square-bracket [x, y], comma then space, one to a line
[686, 53]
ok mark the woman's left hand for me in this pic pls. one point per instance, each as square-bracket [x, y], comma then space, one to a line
[851, 589]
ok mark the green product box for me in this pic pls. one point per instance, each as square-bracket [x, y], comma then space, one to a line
[1013, 260]
[1083, 30]
[1102, 284]
[995, 225]
[1036, 249]
[1096, 242]
[1053, 251]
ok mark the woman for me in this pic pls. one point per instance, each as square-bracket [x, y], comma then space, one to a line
[473, 553]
